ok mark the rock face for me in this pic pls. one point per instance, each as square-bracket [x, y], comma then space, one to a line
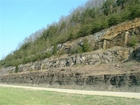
[119, 35]
[67, 76]
[136, 54]
[116, 54]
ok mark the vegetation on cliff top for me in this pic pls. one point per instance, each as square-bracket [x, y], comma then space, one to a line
[90, 18]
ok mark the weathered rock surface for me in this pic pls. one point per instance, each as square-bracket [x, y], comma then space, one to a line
[84, 76]
[136, 54]
[116, 54]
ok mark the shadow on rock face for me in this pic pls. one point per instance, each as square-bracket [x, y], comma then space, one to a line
[135, 55]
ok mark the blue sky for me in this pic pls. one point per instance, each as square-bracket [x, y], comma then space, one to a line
[21, 18]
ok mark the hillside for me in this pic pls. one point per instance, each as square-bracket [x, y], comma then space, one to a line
[95, 47]
[113, 65]
[85, 20]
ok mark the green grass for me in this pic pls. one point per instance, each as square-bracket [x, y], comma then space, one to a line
[16, 96]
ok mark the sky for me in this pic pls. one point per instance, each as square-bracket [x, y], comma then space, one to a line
[21, 18]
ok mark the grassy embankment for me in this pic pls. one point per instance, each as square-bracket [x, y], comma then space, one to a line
[15, 96]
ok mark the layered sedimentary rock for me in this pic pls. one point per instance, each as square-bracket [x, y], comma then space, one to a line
[67, 76]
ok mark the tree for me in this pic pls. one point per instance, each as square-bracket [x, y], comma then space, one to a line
[71, 37]
[85, 30]
[52, 30]
[86, 46]
[113, 20]
[121, 3]
[108, 6]
[135, 11]
[16, 69]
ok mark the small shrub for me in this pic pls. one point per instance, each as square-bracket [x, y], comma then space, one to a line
[16, 69]
[48, 54]
[86, 46]
[30, 70]
[62, 52]
[99, 24]
[33, 59]
[85, 30]
[76, 50]
[113, 20]
[55, 49]
[133, 41]
[125, 15]
[71, 37]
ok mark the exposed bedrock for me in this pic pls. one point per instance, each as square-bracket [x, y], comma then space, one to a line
[71, 77]
[116, 54]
